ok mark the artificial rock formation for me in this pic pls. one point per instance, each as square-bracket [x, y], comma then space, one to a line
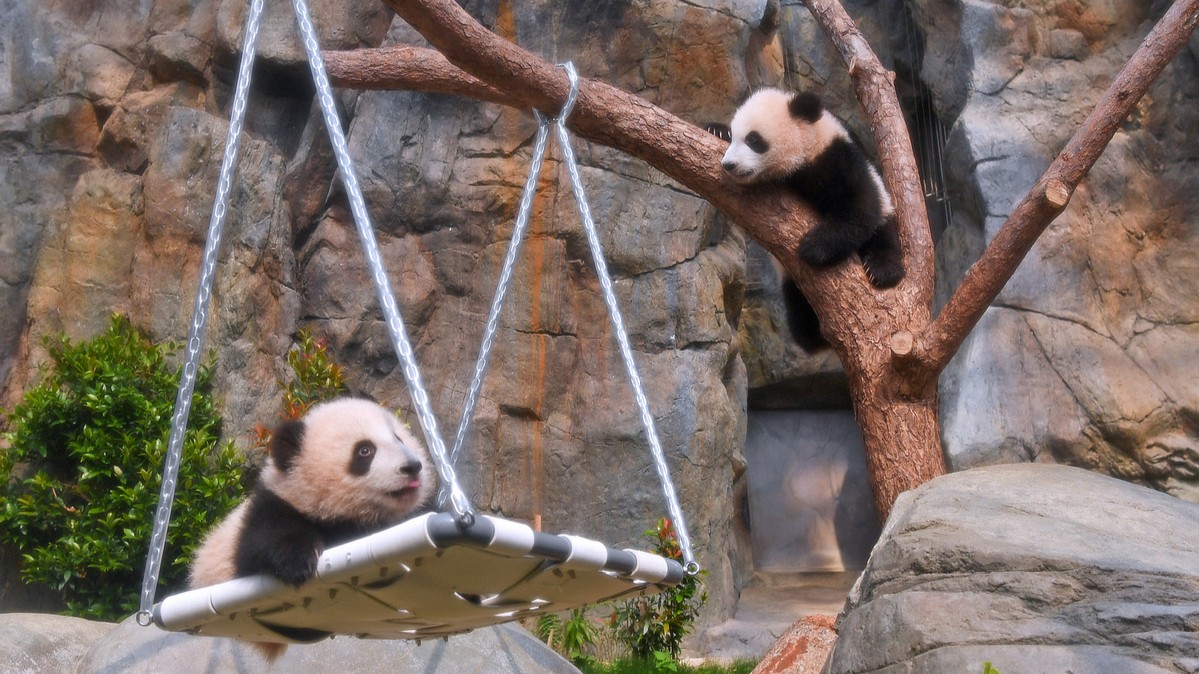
[1021, 567]
[1087, 357]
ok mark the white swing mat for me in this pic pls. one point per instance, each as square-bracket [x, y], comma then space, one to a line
[421, 579]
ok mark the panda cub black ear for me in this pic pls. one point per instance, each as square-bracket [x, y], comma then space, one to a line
[286, 442]
[806, 105]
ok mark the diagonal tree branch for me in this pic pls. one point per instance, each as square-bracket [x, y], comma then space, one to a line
[410, 69]
[931, 351]
[603, 114]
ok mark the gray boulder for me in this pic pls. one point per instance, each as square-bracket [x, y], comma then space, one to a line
[34, 643]
[1034, 568]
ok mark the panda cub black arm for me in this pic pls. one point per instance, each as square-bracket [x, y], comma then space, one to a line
[277, 540]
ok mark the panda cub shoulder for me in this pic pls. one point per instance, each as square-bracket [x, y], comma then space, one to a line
[790, 139]
[347, 468]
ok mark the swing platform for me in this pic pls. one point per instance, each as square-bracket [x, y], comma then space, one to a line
[422, 579]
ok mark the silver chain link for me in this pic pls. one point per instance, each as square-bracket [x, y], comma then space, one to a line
[195, 339]
[501, 289]
[601, 268]
[622, 338]
[626, 351]
[395, 324]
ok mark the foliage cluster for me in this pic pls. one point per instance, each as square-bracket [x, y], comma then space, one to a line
[83, 469]
[657, 623]
[316, 378]
[650, 628]
[574, 637]
[664, 665]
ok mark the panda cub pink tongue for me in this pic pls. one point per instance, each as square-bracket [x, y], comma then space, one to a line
[408, 489]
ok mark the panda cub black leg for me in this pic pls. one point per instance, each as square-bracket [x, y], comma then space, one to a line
[826, 245]
[882, 256]
[802, 320]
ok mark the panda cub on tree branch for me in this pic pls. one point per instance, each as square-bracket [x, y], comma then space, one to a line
[790, 139]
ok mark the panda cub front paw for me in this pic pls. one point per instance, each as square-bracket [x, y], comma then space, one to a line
[297, 570]
[883, 272]
[721, 131]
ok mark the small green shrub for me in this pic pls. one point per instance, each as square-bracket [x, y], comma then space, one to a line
[657, 623]
[636, 666]
[315, 378]
[574, 638]
[88, 444]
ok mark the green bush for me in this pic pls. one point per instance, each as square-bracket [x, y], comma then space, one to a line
[88, 444]
[315, 379]
[656, 624]
[665, 665]
[573, 638]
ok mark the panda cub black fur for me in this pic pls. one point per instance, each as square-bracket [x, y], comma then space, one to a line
[348, 468]
[790, 139]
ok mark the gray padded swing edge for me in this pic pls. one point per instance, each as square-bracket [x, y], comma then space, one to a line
[438, 574]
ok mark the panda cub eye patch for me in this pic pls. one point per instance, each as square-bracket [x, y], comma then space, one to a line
[755, 142]
[364, 454]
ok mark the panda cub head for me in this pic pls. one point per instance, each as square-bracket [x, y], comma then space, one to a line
[349, 460]
[775, 133]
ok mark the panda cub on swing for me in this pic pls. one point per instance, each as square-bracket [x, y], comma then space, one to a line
[777, 137]
[348, 468]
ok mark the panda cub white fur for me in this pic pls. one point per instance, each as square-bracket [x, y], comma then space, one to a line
[348, 468]
[790, 139]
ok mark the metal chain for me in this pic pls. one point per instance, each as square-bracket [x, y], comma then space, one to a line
[395, 324]
[501, 289]
[622, 338]
[195, 339]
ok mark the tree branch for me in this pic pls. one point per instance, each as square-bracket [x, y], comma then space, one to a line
[473, 61]
[603, 114]
[1049, 196]
[410, 69]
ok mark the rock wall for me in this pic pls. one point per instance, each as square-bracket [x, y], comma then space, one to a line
[1088, 355]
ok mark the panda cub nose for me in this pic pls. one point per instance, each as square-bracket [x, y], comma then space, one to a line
[411, 468]
[730, 166]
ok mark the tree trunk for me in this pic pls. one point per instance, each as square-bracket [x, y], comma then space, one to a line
[901, 435]
[900, 424]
